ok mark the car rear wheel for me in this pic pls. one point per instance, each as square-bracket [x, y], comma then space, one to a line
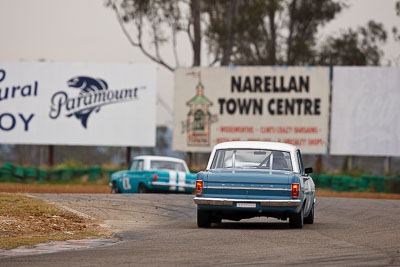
[142, 188]
[216, 220]
[115, 188]
[296, 220]
[203, 218]
[310, 218]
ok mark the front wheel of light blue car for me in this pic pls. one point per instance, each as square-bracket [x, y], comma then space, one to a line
[115, 188]
[296, 220]
[203, 218]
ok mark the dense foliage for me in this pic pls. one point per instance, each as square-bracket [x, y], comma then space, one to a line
[249, 32]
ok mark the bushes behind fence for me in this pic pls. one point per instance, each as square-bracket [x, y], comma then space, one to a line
[365, 183]
[31, 174]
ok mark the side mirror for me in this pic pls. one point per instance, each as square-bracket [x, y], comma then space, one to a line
[308, 170]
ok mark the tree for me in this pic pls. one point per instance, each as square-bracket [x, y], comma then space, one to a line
[163, 20]
[354, 47]
[397, 7]
[272, 32]
[395, 31]
[221, 27]
[249, 32]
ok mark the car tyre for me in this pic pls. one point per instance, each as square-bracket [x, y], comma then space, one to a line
[142, 188]
[115, 188]
[203, 218]
[310, 218]
[216, 220]
[296, 220]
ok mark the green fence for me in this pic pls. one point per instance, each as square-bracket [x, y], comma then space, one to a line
[366, 183]
[31, 174]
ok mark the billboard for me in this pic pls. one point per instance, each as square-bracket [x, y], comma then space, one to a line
[365, 111]
[77, 104]
[285, 104]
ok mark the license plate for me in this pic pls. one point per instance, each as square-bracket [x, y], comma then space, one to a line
[246, 205]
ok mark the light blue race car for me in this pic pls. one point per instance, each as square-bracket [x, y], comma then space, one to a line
[248, 179]
[154, 174]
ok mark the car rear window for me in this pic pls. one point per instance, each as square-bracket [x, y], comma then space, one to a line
[252, 159]
[167, 165]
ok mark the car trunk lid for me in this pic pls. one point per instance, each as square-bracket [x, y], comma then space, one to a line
[248, 184]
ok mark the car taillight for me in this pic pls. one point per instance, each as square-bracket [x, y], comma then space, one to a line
[155, 177]
[295, 190]
[199, 187]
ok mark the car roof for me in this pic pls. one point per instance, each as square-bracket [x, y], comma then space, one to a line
[256, 145]
[162, 158]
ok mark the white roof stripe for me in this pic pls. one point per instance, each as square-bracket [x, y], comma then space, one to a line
[148, 157]
[256, 145]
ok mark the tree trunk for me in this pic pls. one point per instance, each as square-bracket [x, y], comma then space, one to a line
[272, 27]
[231, 10]
[292, 13]
[51, 156]
[195, 6]
[128, 155]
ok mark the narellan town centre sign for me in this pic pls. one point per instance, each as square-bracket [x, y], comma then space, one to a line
[77, 104]
[274, 106]
[286, 104]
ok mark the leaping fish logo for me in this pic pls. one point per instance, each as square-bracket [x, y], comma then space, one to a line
[93, 95]
[86, 85]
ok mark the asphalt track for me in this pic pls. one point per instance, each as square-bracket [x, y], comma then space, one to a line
[160, 230]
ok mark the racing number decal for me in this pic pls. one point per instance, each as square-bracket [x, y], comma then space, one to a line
[125, 184]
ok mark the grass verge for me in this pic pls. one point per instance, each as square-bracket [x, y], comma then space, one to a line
[372, 195]
[28, 221]
[52, 188]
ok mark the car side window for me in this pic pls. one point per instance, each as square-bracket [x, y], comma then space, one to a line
[133, 165]
[223, 159]
[139, 165]
[300, 162]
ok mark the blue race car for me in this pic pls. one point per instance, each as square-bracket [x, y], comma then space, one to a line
[154, 174]
[249, 179]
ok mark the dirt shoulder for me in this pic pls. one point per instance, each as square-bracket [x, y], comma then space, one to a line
[49, 188]
[323, 193]
[27, 221]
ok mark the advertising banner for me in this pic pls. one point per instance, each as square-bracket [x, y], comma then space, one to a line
[77, 104]
[285, 104]
[365, 111]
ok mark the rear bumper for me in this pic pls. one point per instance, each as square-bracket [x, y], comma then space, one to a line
[261, 202]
